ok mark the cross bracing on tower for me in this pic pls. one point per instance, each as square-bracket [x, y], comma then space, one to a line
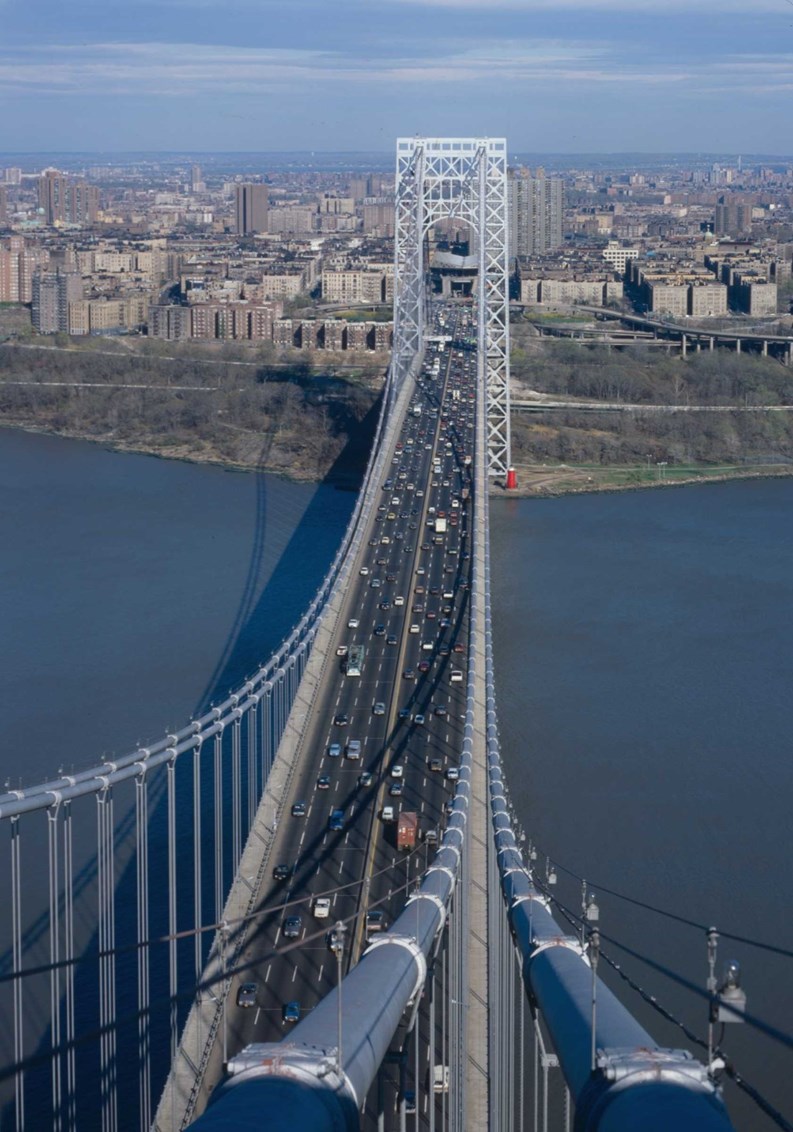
[463, 179]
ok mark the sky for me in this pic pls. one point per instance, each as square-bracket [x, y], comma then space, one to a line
[560, 76]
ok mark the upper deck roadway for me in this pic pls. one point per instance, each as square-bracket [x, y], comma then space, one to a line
[408, 609]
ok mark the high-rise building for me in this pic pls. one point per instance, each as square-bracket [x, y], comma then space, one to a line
[535, 212]
[53, 291]
[18, 262]
[13, 175]
[251, 209]
[3, 205]
[65, 201]
[196, 180]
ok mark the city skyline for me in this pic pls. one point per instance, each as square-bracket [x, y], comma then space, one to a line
[608, 75]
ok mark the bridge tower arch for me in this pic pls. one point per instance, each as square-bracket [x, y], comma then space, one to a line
[464, 179]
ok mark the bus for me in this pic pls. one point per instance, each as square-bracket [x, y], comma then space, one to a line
[355, 657]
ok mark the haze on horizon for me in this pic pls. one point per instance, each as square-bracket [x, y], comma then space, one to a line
[561, 76]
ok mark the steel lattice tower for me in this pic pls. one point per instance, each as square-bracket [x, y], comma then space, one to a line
[464, 179]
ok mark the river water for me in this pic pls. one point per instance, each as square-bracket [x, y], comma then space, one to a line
[643, 646]
[644, 652]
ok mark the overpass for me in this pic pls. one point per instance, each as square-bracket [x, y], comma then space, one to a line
[269, 945]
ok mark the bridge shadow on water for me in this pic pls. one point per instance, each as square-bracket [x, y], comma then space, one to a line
[263, 618]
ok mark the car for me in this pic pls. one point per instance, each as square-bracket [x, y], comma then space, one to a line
[436, 764]
[281, 872]
[364, 571]
[373, 542]
[410, 1102]
[441, 711]
[448, 808]
[419, 719]
[366, 778]
[404, 713]
[397, 771]
[387, 814]
[336, 821]
[353, 623]
[425, 546]
[321, 908]
[341, 650]
[379, 631]
[424, 666]
[396, 789]
[299, 810]
[413, 628]
[375, 921]
[431, 837]
[431, 614]
[334, 751]
[384, 541]
[419, 591]
[409, 674]
[385, 605]
[375, 584]
[293, 926]
[290, 1012]
[335, 939]
[246, 995]
[399, 599]
[323, 782]
[341, 719]
[378, 708]
[459, 647]
[452, 774]
[353, 749]
[391, 639]
[420, 570]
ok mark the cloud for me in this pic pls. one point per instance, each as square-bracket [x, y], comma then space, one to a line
[190, 69]
[716, 8]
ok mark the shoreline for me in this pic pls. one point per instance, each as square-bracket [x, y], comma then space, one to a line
[552, 486]
[548, 483]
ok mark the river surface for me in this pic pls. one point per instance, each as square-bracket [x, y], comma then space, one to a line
[644, 648]
[644, 653]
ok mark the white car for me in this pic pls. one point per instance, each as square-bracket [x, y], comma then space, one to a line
[387, 813]
[321, 908]
[364, 570]
[397, 771]
[353, 623]
[413, 628]
[399, 599]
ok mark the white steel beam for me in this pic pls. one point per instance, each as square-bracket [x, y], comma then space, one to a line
[463, 179]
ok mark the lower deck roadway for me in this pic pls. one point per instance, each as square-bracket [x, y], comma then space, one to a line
[321, 861]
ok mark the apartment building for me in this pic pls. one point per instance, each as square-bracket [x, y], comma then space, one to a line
[52, 294]
[535, 208]
[18, 262]
[251, 205]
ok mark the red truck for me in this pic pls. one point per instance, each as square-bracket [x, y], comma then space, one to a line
[407, 830]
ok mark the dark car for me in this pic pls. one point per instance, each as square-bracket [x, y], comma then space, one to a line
[441, 711]
[391, 639]
[299, 810]
[379, 630]
[323, 782]
[409, 674]
[375, 921]
[341, 719]
[410, 1101]
[281, 872]
[246, 995]
[291, 1012]
[293, 926]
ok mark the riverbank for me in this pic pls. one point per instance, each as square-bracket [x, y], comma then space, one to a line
[542, 480]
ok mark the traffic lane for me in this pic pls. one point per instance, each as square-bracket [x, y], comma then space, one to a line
[293, 844]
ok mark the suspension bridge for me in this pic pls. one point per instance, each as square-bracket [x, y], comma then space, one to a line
[313, 907]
